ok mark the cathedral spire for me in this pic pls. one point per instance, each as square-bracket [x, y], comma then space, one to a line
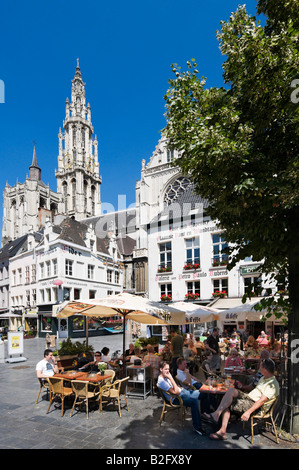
[34, 169]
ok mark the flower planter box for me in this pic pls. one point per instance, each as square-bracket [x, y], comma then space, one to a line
[65, 362]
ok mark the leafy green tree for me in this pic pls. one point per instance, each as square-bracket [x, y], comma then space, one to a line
[240, 146]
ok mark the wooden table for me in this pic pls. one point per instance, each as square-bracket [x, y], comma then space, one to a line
[220, 389]
[86, 376]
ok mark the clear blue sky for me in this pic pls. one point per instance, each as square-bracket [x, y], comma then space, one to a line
[126, 49]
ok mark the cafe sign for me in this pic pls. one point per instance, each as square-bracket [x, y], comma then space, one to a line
[251, 270]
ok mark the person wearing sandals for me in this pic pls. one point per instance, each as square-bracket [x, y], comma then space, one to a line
[244, 404]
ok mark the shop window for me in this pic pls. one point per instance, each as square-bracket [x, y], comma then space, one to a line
[46, 323]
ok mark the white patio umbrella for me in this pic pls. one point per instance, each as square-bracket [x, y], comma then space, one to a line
[195, 313]
[131, 307]
[245, 312]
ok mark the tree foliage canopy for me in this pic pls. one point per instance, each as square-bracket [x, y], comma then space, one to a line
[240, 143]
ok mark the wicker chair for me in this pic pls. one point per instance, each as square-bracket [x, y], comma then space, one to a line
[83, 394]
[113, 392]
[111, 374]
[169, 404]
[264, 415]
[58, 390]
[43, 385]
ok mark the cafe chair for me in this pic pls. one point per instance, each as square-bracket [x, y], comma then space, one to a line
[83, 394]
[58, 390]
[43, 385]
[261, 414]
[171, 402]
[111, 377]
[115, 391]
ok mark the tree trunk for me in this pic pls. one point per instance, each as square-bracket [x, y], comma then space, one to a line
[293, 325]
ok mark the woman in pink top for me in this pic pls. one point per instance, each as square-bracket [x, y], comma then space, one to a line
[233, 359]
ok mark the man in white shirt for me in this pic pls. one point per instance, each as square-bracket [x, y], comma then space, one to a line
[184, 375]
[47, 366]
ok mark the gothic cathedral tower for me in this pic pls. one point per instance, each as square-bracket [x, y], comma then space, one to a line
[78, 180]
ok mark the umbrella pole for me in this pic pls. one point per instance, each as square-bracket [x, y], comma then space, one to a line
[86, 329]
[124, 344]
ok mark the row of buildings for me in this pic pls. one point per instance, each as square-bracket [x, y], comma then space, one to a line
[58, 245]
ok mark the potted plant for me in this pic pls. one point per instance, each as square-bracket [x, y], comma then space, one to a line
[69, 351]
[102, 366]
[189, 266]
[221, 294]
[166, 297]
[191, 296]
[164, 269]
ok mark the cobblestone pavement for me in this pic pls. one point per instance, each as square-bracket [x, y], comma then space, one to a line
[25, 425]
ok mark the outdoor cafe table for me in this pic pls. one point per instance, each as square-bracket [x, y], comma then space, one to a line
[218, 388]
[86, 376]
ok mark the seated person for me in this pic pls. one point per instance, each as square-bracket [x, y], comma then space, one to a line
[275, 351]
[153, 360]
[184, 375]
[47, 367]
[253, 351]
[262, 340]
[206, 365]
[249, 342]
[135, 356]
[92, 366]
[188, 354]
[166, 354]
[189, 397]
[107, 358]
[199, 344]
[234, 341]
[129, 352]
[244, 404]
[233, 359]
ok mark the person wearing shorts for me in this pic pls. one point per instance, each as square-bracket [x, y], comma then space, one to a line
[244, 404]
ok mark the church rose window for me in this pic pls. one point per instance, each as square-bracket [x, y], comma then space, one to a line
[175, 189]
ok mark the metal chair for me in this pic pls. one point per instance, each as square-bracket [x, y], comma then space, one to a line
[169, 404]
[43, 385]
[83, 394]
[58, 390]
[264, 413]
[113, 392]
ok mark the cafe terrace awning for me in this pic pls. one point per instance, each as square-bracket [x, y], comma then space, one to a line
[245, 312]
[195, 313]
